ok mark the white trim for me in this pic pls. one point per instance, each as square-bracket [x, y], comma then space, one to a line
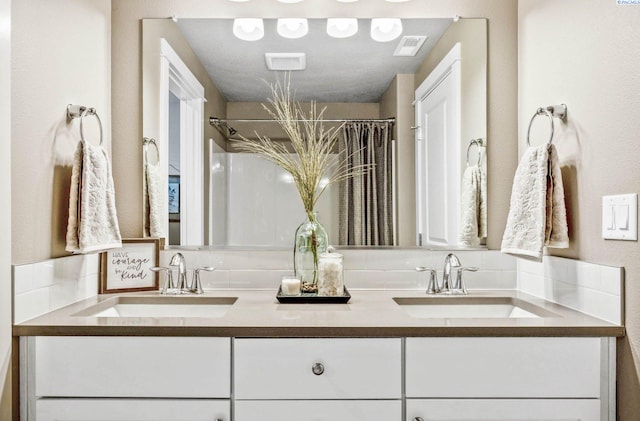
[175, 77]
[438, 73]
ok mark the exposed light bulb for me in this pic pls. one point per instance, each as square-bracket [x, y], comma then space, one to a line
[342, 27]
[293, 27]
[248, 29]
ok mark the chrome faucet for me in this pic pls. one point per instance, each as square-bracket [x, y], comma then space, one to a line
[449, 261]
[182, 286]
[178, 260]
[447, 286]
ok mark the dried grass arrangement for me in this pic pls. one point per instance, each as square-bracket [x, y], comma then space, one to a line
[312, 144]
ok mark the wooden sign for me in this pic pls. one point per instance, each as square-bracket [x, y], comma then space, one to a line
[127, 268]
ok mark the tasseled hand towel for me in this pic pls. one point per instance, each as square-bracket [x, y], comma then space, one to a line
[537, 216]
[154, 200]
[473, 207]
[93, 224]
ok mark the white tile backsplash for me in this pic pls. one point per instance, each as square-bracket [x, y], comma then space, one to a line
[48, 285]
[594, 289]
[587, 287]
[366, 268]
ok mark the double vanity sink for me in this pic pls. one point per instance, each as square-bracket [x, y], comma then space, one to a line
[369, 313]
[216, 307]
[513, 356]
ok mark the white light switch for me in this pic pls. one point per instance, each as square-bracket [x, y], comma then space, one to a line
[620, 217]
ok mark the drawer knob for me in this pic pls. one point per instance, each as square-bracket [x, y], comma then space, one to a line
[418, 419]
[317, 369]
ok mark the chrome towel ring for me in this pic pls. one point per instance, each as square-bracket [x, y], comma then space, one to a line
[478, 143]
[146, 141]
[551, 111]
[80, 111]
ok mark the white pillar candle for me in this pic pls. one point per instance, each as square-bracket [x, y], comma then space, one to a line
[290, 286]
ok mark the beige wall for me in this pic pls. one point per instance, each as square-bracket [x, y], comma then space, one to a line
[60, 55]
[5, 213]
[127, 118]
[396, 102]
[587, 55]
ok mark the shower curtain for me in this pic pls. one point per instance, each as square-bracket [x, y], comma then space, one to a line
[366, 201]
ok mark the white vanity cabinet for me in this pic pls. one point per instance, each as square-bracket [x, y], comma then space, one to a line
[155, 378]
[115, 378]
[314, 379]
[501, 379]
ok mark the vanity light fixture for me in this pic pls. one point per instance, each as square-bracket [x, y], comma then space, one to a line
[248, 29]
[293, 27]
[385, 29]
[342, 27]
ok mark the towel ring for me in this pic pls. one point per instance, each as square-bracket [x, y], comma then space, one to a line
[479, 143]
[559, 111]
[75, 111]
[146, 141]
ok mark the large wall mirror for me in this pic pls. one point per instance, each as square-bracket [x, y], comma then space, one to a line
[203, 86]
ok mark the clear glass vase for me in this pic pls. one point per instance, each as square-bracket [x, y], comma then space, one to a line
[311, 240]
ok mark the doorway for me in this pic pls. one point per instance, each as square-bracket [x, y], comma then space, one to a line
[182, 148]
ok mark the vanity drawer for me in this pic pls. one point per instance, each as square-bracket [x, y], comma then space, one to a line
[503, 367]
[283, 368]
[125, 367]
[132, 409]
[504, 409]
[379, 410]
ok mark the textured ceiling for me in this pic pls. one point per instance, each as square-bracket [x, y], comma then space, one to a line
[355, 69]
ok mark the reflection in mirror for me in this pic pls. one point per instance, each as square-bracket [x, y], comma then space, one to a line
[244, 200]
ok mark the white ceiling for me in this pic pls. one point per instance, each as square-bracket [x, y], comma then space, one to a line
[355, 69]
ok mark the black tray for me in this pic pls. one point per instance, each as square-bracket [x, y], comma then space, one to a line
[313, 298]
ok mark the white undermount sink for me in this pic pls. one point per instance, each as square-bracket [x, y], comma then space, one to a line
[470, 307]
[208, 307]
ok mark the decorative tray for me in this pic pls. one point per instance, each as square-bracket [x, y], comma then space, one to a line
[313, 298]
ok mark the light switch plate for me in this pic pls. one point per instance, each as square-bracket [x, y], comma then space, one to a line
[620, 217]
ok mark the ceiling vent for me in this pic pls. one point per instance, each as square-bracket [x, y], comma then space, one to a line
[409, 45]
[286, 61]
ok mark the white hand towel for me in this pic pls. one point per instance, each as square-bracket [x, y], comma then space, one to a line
[92, 224]
[154, 200]
[537, 216]
[470, 207]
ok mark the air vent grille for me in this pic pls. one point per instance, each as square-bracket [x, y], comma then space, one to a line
[409, 45]
[285, 61]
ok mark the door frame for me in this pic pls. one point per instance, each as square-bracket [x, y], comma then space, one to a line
[175, 77]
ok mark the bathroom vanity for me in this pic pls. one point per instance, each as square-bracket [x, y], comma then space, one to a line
[371, 359]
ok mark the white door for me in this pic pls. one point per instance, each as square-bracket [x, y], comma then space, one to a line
[503, 409]
[438, 170]
[132, 409]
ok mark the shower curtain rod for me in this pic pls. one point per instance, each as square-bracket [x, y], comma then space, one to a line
[214, 120]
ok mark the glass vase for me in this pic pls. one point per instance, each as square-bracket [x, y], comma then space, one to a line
[311, 240]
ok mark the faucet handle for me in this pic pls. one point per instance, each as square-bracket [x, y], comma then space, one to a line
[433, 287]
[459, 287]
[168, 283]
[196, 285]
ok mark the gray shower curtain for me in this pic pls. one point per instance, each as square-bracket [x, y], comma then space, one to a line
[366, 201]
